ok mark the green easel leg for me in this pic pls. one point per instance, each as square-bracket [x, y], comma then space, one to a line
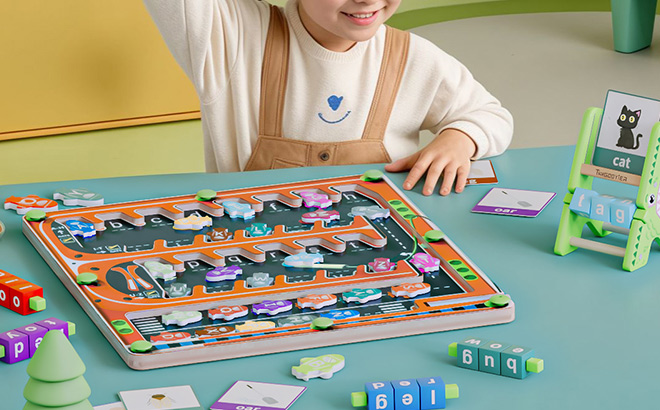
[571, 225]
[632, 24]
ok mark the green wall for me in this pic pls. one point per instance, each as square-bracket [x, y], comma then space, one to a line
[177, 147]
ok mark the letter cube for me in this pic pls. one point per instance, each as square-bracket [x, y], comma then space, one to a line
[35, 334]
[581, 201]
[406, 394]
[600, 207]
[622, 211]
[432, 393]
[21, 293]
[55, 324]
[380, 396]
[16, 346]
[489, 357]
[468, 353]
[514, 362]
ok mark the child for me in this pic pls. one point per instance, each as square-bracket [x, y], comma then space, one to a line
[344, 74]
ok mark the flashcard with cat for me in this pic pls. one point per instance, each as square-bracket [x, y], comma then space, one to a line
[625, 130]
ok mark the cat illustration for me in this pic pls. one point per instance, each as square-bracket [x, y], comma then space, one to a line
[627, 121]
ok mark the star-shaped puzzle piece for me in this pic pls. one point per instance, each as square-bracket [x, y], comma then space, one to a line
[178, 290]
[78, 196]
[79, 228]
[272, 308]
[425, 262]
[221, 273]
[319, 215]
[302, 259]
[372, 212]
[23, 204]
[219, 234]
[259, 229]
[362, 295]
[182, 318]
[411, 290]
[259, 280]
[159, 270]
[314, 199]
[228, 313]
[381, 265]
[238, 210]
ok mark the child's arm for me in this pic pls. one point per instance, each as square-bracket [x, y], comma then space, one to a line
[469, 123]
[205, 37]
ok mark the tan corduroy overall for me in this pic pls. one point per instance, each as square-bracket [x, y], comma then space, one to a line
[275, 151]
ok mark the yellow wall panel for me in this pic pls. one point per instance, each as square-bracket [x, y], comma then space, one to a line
[76, 62]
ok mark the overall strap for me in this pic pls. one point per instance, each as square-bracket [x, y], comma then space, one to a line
[274, 74]
[395, 56]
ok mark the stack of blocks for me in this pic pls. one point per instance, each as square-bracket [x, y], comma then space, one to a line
[20, 295]
[496, 358]
[411, 394]
[589, 204]
[21, 343]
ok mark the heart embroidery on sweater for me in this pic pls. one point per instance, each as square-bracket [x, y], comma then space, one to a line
[334, 102]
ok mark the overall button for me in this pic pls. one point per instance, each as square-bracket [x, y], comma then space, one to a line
[324, 156]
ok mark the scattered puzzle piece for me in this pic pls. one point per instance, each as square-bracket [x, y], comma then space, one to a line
[79, 228]
[272, 308]
[2, 229]
[194, 222]
[362, 295]
[381, 265]
[182, 318]
[317, 301]
[178, 290]
[411, 290]
[371, 212]
[159, 270]
[259, 280]
[425, 263]
[238, 210]
[223, 273]
[319, 215]
[228, 312]
[219, 234]
[254, 326]
[259, 229]
[302, 259]
[170, 337]
[23, 204]
[341, 314]
[313, 199]
[322, 366]
[78, 196]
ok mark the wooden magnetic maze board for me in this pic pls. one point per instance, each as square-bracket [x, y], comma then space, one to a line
[245, 272]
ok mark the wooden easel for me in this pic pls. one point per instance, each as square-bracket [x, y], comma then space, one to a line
[645, 226]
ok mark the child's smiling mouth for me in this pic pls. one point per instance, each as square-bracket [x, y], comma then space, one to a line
[362, 18]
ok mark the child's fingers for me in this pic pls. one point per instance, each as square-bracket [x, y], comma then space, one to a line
[415, 174]
[402, 164]
[432, 177]
[448, 178]
[461, 178]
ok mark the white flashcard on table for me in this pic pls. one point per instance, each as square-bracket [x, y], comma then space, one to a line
[175, 397]
[513, 202]
[265, 396]
[110, 406]
[481, 172]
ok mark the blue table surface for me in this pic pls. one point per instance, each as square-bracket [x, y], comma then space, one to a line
[594, 324]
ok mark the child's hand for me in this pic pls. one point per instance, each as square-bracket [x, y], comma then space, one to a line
[447, 155]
